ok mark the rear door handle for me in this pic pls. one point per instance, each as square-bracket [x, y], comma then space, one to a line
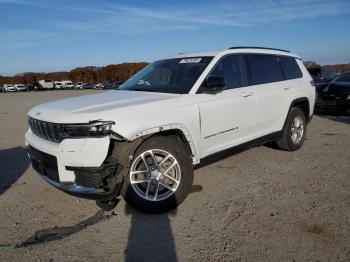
[246, 94]
[286, 88]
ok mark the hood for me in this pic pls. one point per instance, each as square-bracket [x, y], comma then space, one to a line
[83, 109]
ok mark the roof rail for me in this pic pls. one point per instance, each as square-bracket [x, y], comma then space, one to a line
[258, 47]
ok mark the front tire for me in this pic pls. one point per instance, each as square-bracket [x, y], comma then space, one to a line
[294, 131]
[160, 176]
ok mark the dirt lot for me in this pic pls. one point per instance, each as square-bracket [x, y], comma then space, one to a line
[259, 205]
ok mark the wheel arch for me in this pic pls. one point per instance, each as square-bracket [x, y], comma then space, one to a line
[302, 103]
[177, 130]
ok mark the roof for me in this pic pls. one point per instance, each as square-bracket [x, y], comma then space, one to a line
[233, 50]
[195, 54]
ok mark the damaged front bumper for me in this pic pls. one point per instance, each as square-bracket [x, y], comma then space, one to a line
[71, 171]
[85, 192]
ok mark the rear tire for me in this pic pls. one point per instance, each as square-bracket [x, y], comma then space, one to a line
[294, 131]
[160, 176]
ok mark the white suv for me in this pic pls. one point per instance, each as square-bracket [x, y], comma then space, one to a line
[142, 140]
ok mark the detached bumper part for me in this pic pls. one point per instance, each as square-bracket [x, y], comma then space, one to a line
[94, 176]
[97, 183]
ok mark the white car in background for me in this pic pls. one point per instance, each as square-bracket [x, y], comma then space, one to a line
[58, 85]
[79, 85]
[20, 88]
[143, 140]
[68, 84]
[98, 86]
[46, 84]
[8, 88]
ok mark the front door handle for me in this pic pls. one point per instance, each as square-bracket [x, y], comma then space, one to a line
[246, 94]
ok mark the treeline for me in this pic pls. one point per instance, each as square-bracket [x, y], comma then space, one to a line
[337, 68]
[317, 68]
[118, 72]
[88, 74]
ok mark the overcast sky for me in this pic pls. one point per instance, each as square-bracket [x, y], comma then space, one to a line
[43, 36]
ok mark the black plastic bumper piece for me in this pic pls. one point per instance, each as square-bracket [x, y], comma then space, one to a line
[94, 176]
[96, 183]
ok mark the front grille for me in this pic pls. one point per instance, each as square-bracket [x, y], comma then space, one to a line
[46, 130]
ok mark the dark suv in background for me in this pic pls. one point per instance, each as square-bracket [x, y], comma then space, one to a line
[334, 96]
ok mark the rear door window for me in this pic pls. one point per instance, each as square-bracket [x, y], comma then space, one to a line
[263, 69]
[290, 67]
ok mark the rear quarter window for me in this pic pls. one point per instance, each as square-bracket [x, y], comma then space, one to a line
[263, 69]
[290, 68]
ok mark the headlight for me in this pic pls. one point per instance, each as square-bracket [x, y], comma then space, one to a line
[348, 98]
[94, 129]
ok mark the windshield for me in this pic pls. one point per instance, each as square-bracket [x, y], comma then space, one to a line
[343, 78]
[176, 75]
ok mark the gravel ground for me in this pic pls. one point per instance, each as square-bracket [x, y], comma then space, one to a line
[260, 205]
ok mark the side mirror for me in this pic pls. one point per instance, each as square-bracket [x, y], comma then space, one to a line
[214, 84]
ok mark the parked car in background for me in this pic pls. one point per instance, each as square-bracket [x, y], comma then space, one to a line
[325, 77]
[79, 85]
[20, 88]
[68, 84]
[8, 88]
[334, 96]
[33, 87]
[58, 85]
[112, 84]
[87, 86]
[46, 84]
[99, 86]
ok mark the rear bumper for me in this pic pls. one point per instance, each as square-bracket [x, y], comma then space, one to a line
[79, 167]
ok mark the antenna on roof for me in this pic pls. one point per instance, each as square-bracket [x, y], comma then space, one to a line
[258, 47]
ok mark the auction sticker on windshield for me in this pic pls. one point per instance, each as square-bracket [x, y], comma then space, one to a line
[190, 60]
